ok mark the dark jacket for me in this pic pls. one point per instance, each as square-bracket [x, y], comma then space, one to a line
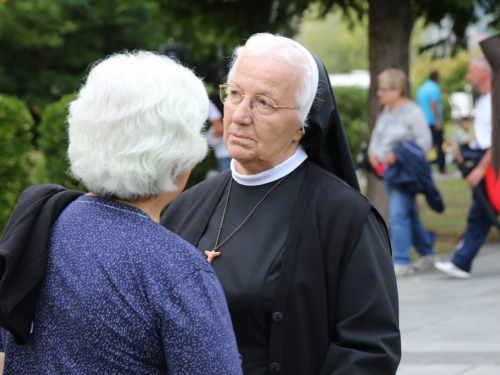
[23, 254]
[327, 222]
[412, 173]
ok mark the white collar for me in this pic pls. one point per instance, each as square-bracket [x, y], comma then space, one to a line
[273, 174]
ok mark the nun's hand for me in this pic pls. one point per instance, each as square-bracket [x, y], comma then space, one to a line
[390, 158]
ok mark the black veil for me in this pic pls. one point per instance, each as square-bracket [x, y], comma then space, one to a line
[324, 140]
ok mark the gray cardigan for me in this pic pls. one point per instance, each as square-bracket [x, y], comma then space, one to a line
[405, 123]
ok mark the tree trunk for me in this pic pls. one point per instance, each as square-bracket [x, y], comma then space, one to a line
[389, 31]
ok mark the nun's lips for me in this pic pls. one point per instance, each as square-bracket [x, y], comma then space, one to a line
[240, 137]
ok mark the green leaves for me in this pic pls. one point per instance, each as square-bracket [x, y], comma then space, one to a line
[352, 103]
[342, 48]
[47, 45]
[461, 13]
[53, 166]
[15, 145]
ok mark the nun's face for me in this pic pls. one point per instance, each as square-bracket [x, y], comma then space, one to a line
[260, 142]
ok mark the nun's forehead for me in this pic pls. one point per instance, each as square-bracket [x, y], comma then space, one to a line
[257, 75]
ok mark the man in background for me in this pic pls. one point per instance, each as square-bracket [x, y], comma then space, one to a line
[429, 99]
[478, 222]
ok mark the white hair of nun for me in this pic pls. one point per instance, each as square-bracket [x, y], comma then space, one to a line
[276, 47]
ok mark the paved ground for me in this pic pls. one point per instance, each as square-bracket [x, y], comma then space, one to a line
[451, 326]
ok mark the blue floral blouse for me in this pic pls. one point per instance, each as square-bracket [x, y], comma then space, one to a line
[123, 295]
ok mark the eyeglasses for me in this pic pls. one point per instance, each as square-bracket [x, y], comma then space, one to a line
[231, 96]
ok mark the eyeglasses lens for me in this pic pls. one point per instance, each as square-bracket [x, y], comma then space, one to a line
[231, 96]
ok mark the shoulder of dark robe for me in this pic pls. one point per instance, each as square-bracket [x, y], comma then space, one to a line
[340, 250]
[23, 254]
[337, 260]
[188, 214]
[340, 211]
[326, 194]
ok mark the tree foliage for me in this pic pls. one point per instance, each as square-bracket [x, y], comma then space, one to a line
[462, 14]
[47, 45]
[15, 135]
[352, 102]
[53, 143]
[341, 46]
[45, 57]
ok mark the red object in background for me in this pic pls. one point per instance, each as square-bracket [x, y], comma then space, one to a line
[379, 171]
[493, 188]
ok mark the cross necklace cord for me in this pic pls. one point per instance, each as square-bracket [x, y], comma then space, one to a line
[212, 254]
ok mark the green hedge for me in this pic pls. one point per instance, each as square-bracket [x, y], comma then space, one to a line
[353, 107]
[53, 143]
[15, 146]
[199, 173]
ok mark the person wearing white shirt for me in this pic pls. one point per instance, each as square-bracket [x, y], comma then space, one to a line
[478, 222]
[215, 140]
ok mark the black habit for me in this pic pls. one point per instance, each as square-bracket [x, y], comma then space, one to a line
[335, 306]
[309, 279]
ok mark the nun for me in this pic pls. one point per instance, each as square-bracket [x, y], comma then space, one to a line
[303, 257]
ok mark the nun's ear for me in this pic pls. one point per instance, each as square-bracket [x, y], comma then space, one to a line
[299, 134]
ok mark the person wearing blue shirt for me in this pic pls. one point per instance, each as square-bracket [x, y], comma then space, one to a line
[429, 99]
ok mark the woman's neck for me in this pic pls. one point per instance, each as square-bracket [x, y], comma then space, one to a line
[152, 206]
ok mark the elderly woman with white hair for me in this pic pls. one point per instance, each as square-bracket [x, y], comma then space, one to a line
[304, 259]
[92, 284]
[400, 122]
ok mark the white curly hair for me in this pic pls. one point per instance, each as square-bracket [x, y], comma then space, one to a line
[136, 125]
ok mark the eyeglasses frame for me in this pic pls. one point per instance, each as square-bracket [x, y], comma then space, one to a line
[275, 107]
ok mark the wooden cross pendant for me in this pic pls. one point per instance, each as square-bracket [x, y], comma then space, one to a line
[211, 255]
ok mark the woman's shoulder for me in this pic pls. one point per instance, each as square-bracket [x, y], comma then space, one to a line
[412, 107]
[163, 254]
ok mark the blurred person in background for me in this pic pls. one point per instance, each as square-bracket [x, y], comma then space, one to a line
[478, 221]
[429, 99]
[401, 120]
[216, 131]
[92, 284]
